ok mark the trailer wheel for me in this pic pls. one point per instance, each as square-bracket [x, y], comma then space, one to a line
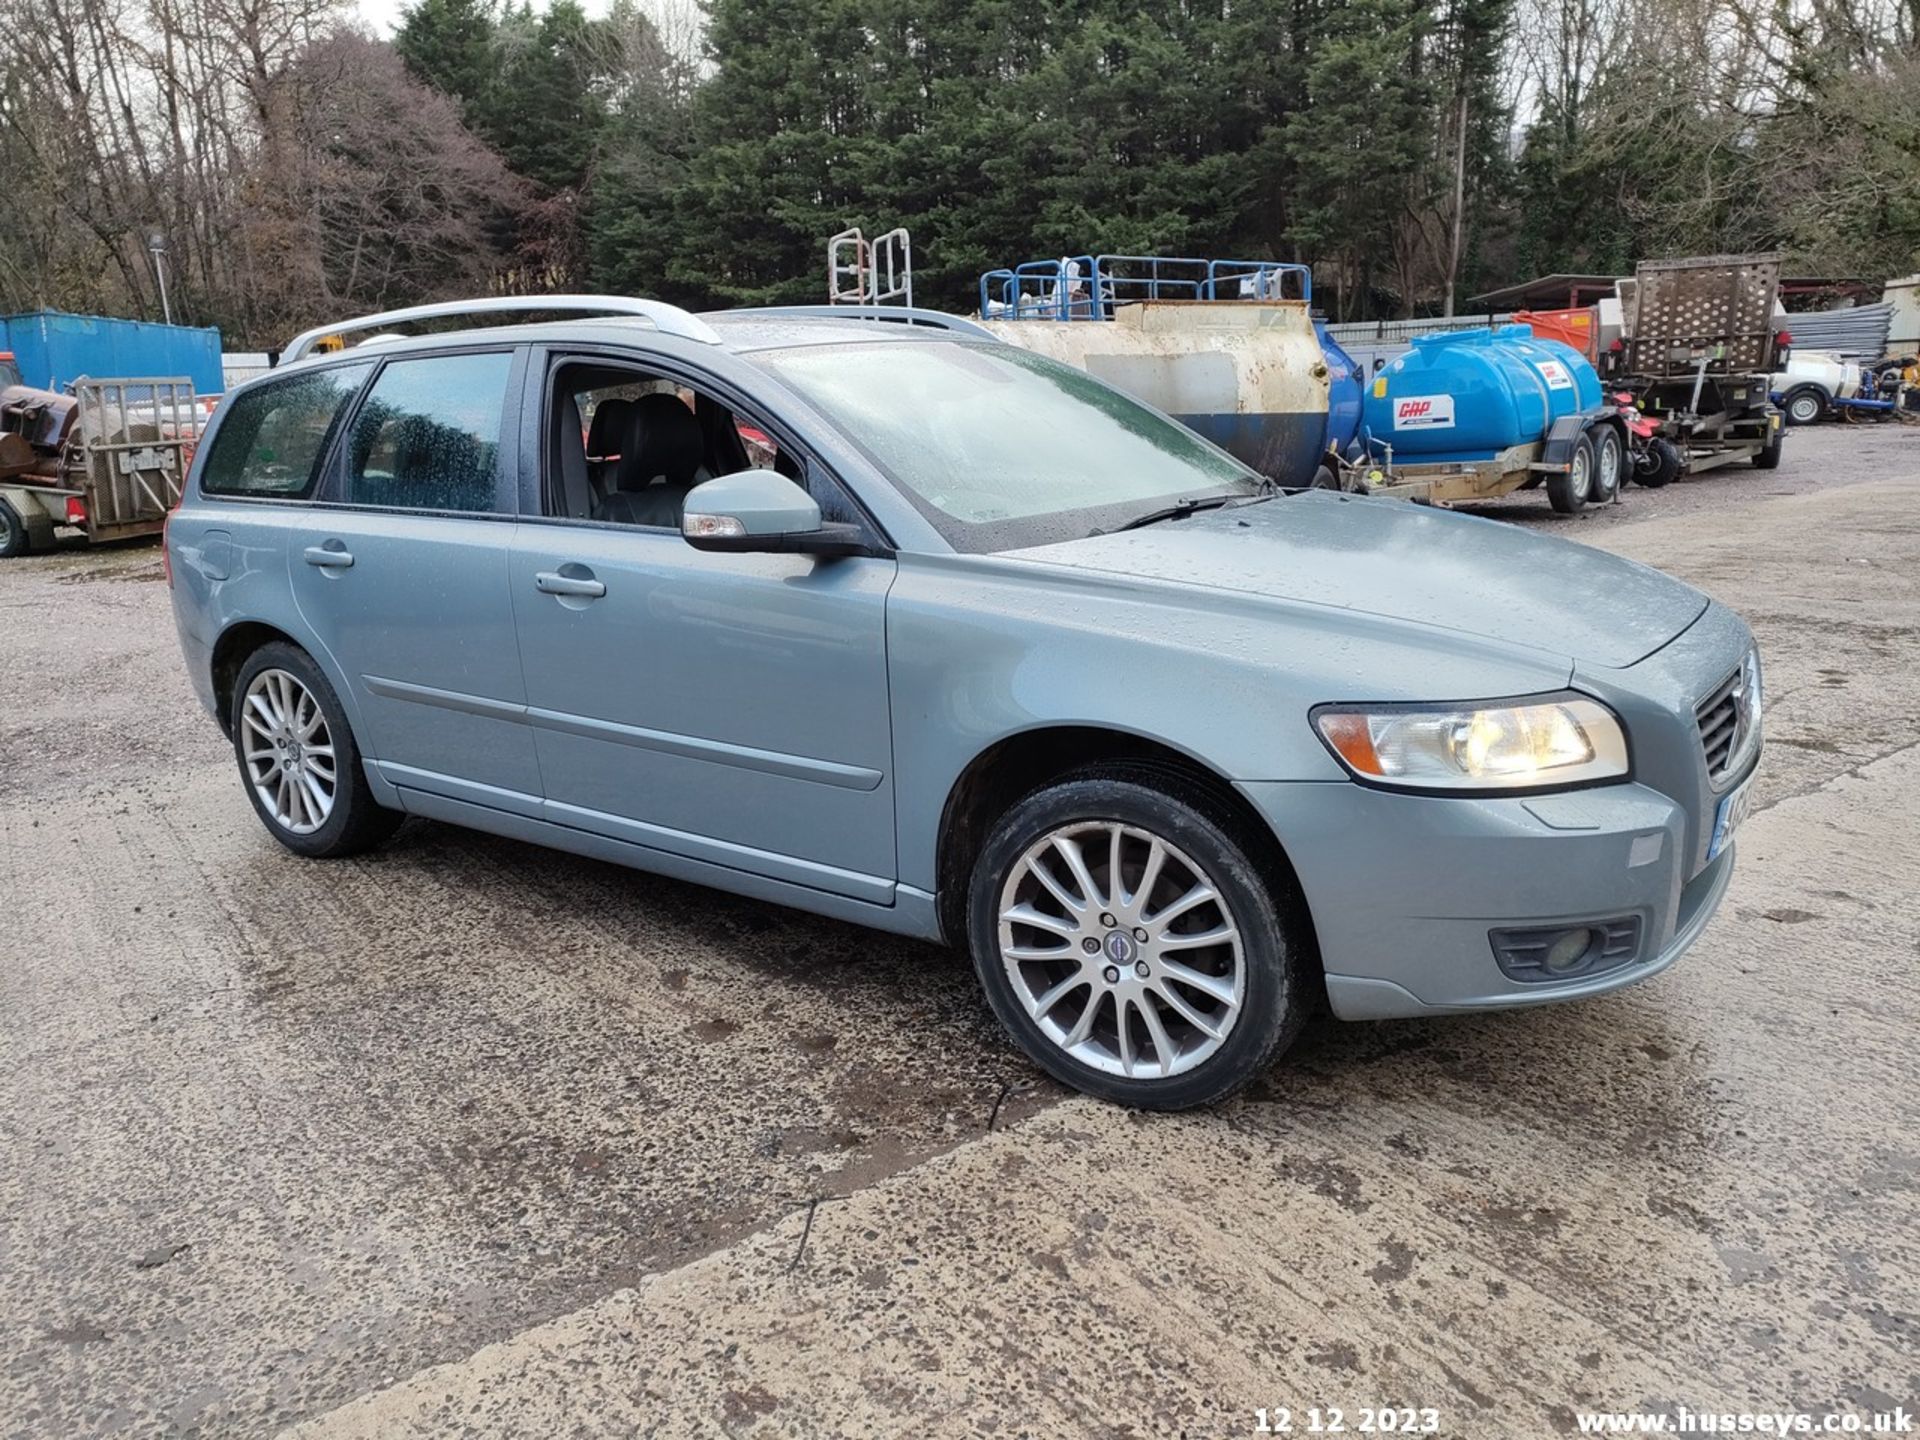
[13, 532]
[1769, 456]
[1609, 460]
[1570, 490]
[1659, 465]
[1805, 404]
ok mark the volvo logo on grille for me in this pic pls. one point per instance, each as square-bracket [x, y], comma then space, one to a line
[1119, 947]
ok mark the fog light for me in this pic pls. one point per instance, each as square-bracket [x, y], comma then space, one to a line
[1563, 952]
[1569, 950]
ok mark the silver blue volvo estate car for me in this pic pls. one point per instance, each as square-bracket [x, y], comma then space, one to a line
[905, 626]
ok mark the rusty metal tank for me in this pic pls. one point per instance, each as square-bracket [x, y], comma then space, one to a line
[1247, 374]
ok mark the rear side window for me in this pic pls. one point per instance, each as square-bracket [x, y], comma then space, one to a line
[427, 436]
[270, 442]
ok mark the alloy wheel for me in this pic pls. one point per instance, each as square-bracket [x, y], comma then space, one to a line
[288, 751]
[1122, 949]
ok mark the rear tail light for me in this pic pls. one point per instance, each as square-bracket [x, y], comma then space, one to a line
[166, 540]
[76, 510]
[1783, 339]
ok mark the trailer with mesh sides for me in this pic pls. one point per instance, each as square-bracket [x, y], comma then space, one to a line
[108, 459]
[1699, 345]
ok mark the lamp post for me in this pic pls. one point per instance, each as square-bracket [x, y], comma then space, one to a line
[157, 246]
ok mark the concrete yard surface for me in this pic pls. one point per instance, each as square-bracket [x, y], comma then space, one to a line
[470, 1138]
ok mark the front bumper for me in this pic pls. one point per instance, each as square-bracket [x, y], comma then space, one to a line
[1404, 889]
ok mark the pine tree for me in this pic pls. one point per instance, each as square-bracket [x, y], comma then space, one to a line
[448, 44]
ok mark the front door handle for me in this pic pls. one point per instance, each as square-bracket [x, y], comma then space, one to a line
[330, 556]
[551, 582]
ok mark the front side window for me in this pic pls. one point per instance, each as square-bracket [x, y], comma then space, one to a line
[271, 439]
[1002, 448]
[428, 435]
[626, 446]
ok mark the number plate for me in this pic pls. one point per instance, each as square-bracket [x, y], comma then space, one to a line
[1727, 817]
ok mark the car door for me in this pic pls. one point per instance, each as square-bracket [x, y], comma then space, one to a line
[730, 709]
[401, 573]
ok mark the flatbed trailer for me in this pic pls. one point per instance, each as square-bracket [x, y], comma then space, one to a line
[1519, 467]
[108, 461]
[1698, 350]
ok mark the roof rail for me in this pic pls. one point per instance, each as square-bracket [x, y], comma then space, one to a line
[898, 314]
[667, 319]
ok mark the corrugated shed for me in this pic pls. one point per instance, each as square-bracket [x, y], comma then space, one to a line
[1858, 332]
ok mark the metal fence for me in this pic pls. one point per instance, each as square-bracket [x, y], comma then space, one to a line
[1375, 344]
[1858, 332]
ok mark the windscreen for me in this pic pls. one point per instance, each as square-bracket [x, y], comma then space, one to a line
[1001, 448]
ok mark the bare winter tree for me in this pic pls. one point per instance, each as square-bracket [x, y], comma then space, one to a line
[287, 164]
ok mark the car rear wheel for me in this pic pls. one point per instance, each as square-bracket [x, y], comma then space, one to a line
[1570, 490]
[1130, 943]
[298, 760]
[13, 532]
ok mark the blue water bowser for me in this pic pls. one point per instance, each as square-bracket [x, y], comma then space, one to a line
[1501, 402]
[1470, 394]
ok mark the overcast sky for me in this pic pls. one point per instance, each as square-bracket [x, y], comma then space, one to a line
[384, 15]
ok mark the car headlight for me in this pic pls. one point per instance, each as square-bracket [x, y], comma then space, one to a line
[1556, 741]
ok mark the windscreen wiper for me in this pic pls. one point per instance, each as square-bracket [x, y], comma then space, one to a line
[1179, 510]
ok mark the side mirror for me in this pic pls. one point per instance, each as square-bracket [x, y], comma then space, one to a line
[761, 511]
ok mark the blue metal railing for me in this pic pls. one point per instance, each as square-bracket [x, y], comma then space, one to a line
[1088, 287]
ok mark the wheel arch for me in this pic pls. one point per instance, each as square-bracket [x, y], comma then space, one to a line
[1017, 764]
[238, 641]
[1565, 434]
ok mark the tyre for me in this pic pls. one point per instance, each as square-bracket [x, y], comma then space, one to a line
[1660, 464]
[1131, 944]
[298, 760]
[1804, 405]
[1570, 490]
[1609, 462]
[13, 532]
[1325, 479]
[1769, 456]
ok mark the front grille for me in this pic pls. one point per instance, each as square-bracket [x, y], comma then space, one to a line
[1522, 954]
[1719, 718]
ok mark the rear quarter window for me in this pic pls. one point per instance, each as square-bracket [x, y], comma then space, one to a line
[271, 442]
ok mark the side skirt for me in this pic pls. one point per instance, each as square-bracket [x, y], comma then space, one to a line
[911, 914]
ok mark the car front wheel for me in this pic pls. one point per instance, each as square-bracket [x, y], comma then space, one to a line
[298, 759]
[1129, 941]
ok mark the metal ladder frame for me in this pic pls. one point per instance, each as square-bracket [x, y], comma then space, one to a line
[878, 272]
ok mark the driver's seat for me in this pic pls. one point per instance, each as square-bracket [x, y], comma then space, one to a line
[660, 461]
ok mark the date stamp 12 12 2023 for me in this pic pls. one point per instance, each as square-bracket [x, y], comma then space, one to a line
[1332, 1420]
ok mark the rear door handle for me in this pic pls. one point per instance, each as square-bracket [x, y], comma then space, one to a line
[550, 582]
[331, 556]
